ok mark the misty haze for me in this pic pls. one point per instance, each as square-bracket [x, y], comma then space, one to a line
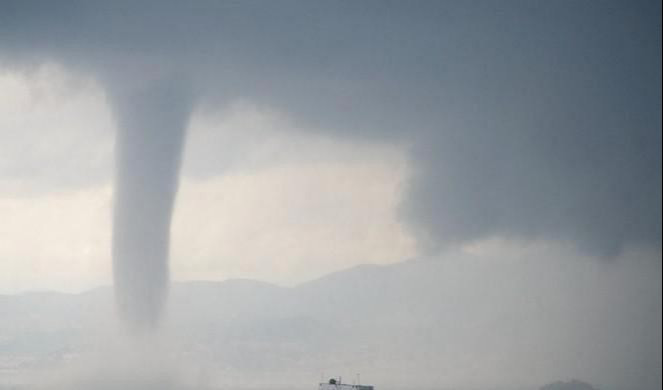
[330, 195]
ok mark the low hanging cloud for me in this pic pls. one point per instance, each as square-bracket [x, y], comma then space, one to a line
[523, 120]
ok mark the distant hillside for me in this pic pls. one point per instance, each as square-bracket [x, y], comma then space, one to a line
[417, 322]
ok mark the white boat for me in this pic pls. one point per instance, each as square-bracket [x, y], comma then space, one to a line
[334, 384]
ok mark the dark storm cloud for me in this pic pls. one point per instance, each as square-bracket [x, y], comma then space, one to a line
[525, 119]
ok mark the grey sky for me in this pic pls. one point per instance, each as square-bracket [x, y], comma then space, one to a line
[525, 119]
[511, 142]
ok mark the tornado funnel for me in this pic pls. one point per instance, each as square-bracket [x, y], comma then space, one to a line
[151, 124]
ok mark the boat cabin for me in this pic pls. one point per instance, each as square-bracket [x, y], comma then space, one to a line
[334, 384]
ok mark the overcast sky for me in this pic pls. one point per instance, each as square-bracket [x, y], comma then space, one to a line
[331, 203]
[325, 135]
